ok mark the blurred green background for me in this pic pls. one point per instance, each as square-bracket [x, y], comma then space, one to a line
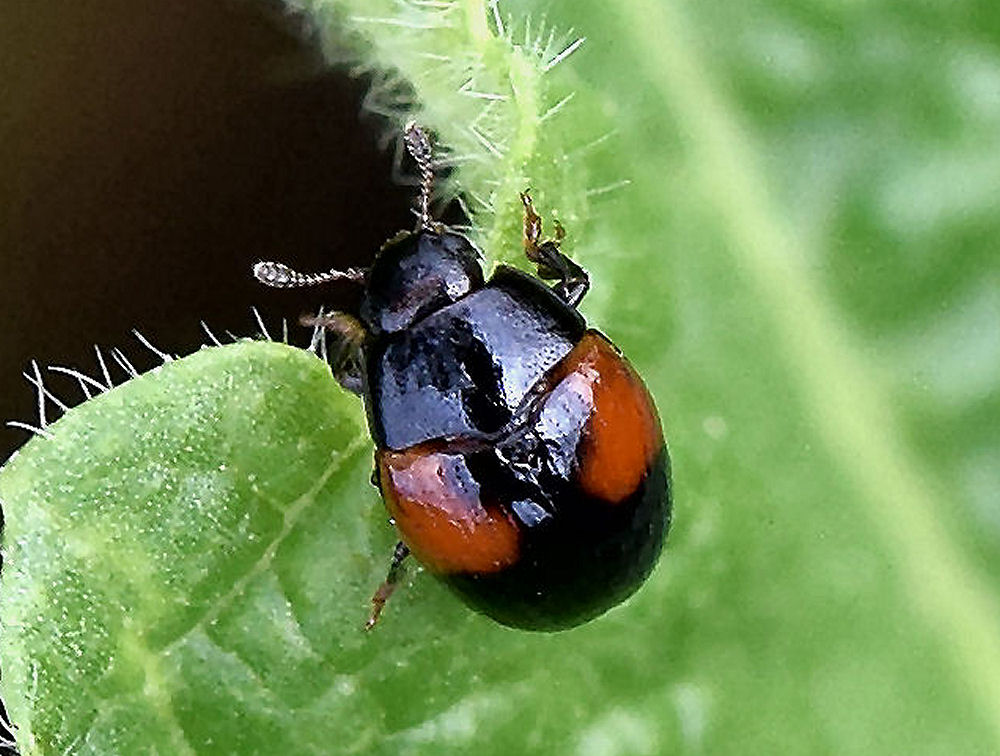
[805, 267]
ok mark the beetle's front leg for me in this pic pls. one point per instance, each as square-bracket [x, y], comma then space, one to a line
[572, 280]
[346, 356]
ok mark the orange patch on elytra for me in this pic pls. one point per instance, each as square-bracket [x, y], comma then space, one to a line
[435, 503]
[623, 435]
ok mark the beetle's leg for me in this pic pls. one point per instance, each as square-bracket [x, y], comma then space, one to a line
[391, 581]
[572, 280]
[345, 354]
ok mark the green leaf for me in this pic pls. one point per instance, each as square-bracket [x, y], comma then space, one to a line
[787, 210]
[153, 513]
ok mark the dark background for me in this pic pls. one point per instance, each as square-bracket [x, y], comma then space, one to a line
[150, 153]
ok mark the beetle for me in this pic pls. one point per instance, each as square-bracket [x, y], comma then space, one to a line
[519, 454]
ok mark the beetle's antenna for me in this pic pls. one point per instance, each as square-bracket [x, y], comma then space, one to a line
[280, 276]
[418, 144]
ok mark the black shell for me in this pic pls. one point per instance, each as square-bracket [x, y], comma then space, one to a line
[579, 556]
[466, 369]
[457, 366]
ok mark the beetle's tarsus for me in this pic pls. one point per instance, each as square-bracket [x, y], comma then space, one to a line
[392, 579]
[572, 280]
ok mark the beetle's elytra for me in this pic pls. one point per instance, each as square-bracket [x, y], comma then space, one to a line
[519, 454]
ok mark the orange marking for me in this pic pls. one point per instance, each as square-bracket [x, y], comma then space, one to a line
[624, 435]
[436, 505]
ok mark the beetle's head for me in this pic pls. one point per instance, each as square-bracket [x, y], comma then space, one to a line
[416, 273]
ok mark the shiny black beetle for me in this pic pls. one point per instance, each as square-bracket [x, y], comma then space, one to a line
[519, 454]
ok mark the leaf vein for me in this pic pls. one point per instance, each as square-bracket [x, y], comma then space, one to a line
[292, 515]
